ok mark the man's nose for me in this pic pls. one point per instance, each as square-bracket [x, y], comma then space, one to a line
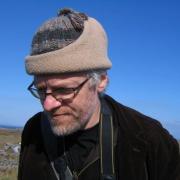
[50, 103]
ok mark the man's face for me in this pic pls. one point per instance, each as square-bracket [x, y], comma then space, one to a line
[79, 112]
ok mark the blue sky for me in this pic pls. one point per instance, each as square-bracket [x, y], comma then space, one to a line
[144, 46]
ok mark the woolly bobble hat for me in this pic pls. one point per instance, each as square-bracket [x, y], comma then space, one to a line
[70, 42]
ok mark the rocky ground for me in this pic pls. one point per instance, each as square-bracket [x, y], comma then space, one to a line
[9, 152]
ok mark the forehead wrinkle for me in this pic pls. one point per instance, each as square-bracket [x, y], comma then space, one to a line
[58, 81]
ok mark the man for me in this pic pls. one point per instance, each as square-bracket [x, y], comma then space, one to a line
[83, 133]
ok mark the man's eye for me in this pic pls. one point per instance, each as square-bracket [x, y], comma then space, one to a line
[64, 91]
[41, 91]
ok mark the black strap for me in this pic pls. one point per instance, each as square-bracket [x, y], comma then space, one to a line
[106, 143]
[62, 168]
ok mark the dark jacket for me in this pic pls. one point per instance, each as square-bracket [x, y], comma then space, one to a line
[144, 149]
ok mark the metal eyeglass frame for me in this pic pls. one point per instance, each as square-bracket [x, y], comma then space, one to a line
[74, 91]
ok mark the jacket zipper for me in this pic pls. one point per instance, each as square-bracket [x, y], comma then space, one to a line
[76, 175]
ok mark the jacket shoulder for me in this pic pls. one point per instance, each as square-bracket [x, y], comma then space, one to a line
[32, 130]
[133, 121]
[161, 147]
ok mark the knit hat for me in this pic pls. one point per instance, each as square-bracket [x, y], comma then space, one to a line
[71, 42]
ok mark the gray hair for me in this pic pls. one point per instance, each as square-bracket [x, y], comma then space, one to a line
[96, 78]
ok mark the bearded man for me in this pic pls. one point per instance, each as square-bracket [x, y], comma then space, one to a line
[83, 133]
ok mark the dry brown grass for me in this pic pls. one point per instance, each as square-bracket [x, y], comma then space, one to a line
[9, 136]
[9, 175]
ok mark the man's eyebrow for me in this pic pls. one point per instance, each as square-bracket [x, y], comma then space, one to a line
[39, 85]
[62, 87]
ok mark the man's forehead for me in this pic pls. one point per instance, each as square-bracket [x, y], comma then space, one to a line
[58, 77]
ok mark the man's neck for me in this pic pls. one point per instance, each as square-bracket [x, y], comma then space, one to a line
[94, 119]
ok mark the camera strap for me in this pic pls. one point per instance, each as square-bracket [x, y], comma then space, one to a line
[106, 140]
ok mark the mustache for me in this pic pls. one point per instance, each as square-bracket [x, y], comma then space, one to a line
[63, 111]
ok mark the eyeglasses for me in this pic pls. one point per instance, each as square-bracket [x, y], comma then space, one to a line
[59, 94]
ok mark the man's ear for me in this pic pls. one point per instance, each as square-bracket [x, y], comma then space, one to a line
[103, 83]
